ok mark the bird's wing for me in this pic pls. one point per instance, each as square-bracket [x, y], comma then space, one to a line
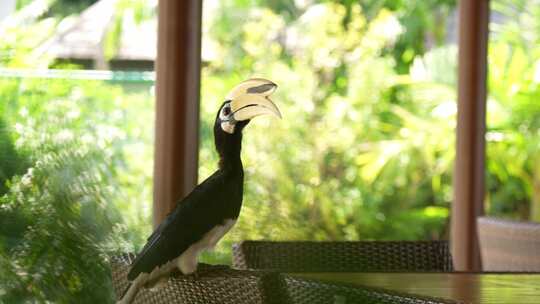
[181, 228]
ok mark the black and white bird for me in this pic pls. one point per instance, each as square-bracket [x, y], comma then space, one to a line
[205, 215]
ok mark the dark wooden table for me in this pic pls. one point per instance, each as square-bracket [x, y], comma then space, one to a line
[508, 288]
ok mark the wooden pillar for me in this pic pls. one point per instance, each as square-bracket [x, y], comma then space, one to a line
[471, 125]
[177, 103]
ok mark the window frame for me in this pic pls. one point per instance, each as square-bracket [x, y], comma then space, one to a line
[177, 117]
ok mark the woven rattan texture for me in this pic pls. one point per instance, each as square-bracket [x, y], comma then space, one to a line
[509, 245]
[216, 284]
[312, 292]
[376, 256]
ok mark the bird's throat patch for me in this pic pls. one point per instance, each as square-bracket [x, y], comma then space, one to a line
[228, 127]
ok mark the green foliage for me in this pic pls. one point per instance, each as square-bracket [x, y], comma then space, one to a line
[60, 8]
[427, 24]
[79, 142]
[66, 220]
[12, 162]
[60, 220]
[63, 8]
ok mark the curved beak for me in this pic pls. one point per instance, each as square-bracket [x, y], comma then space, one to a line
[251, 98]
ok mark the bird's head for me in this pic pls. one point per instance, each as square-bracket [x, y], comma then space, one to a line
[245, 101]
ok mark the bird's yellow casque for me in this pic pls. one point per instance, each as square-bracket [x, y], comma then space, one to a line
[249, 99]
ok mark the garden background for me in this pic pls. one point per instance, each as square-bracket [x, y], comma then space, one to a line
[364, 151]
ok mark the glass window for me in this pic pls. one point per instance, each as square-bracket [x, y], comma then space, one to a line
[367, 90]
[513, 110]
[76, 145]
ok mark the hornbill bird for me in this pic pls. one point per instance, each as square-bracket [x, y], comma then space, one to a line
[205, 215]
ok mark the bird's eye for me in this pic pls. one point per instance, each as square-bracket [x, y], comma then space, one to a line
[226, 110]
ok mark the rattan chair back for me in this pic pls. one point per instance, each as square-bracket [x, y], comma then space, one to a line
[509, 245]
[218, 285]
[361, 256]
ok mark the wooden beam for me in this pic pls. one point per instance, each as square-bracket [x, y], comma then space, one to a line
[470, 141]
[177, 103]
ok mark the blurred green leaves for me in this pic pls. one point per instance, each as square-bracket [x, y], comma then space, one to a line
[513, 111]
[80, 145]
[12, 162]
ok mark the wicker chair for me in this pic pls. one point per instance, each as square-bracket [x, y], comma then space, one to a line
[509, 245]
[222, 285]
[376, 256]
[218, 284]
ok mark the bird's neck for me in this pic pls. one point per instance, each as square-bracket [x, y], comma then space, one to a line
[229, 153]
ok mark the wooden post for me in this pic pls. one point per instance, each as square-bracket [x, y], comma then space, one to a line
[471, 125]
[177, 103]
